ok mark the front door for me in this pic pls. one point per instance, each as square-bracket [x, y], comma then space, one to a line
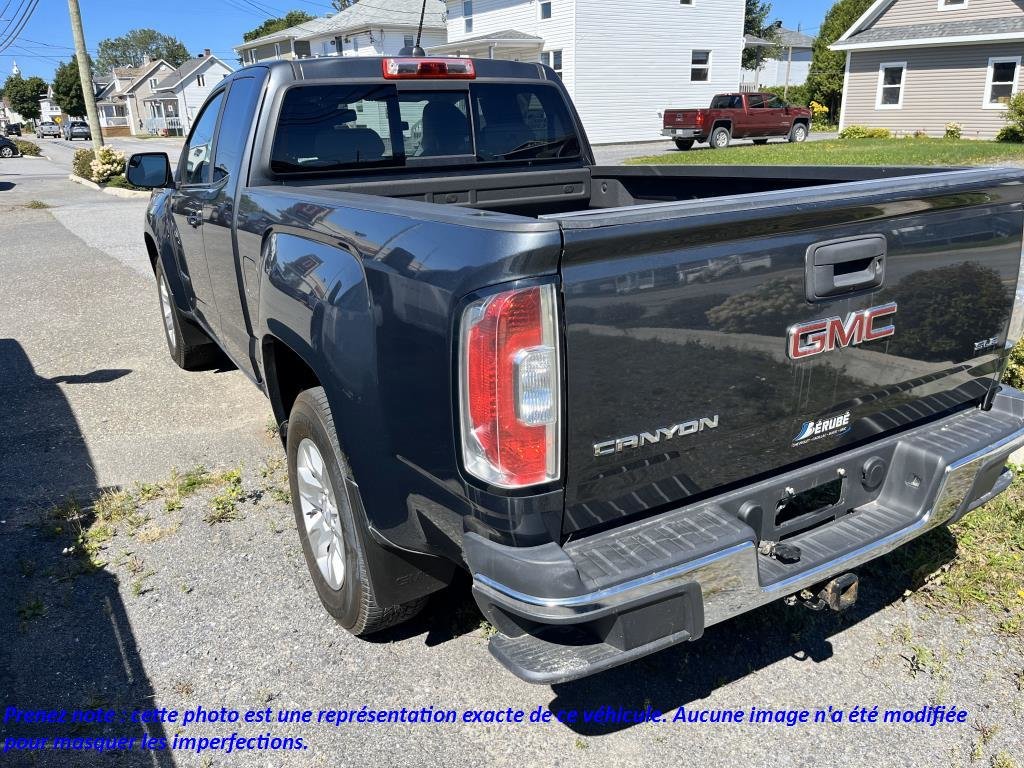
[222, 258]
[776, 119]
[194, 190]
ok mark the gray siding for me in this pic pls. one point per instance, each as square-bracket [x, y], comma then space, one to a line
[905, 12]
[941, 85]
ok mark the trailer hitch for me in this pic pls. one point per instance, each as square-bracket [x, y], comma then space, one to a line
[838, 594]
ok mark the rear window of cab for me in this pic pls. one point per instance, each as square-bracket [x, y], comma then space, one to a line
[341, 126]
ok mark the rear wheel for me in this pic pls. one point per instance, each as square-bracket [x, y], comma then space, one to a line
[799, 133]
[185, 351]
[330, 531]
[684, 144]
[720, 137]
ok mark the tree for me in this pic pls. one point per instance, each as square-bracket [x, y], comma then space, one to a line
[67, 88]
[132, 48]
[755, 22]
[270, 26]
[341, 5]
[23, 94]
[825, 81]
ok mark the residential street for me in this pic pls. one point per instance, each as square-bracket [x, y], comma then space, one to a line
[192, 609]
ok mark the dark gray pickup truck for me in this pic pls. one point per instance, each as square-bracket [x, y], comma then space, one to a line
[632, 401]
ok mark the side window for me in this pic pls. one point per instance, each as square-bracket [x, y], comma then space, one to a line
[197, 153]
[775, 103]
[234, 128]
[755, 101]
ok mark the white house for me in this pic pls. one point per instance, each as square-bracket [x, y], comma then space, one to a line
[790, 66]
[364, 29]
[623, 63]
[176, 99]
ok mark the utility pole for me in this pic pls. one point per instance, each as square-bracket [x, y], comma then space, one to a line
[789, 67]
[85, 75]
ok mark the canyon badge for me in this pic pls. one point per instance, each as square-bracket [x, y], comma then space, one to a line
[830, 426]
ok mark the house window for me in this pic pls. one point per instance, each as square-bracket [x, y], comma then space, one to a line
[945, 5]
[545, 10]
[686, 2]
[1001, 82]
[152, 83]
[891, 77]
[409, 41]
[467, 14]
[552, 59]
[200, 81]
[700, 66]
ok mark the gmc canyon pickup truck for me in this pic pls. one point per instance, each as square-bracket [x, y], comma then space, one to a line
[632, 402]
[755, 116]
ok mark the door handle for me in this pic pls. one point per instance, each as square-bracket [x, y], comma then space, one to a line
[842, 267]
[194, 217]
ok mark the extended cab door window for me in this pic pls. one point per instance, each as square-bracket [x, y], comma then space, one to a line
[196, 160]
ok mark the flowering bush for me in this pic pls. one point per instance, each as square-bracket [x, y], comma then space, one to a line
[954, 130]
[108, 163]
[819, 114]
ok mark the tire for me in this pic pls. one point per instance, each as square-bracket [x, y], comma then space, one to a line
[684, 144]
[6, 152]
[760, 142]
[185, 351]
[721, 137]
[341, 576]
[798, 133]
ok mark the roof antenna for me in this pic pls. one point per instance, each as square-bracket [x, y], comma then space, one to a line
[416, 50]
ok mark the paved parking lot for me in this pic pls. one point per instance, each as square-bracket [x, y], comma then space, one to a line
[189, 608]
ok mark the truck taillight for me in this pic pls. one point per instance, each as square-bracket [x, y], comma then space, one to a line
[428, 69]
[700, 118]
[510, 388]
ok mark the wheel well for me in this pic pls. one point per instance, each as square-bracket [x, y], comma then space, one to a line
[722, 124]
[802, 121]
[287, 376]
[151, 250]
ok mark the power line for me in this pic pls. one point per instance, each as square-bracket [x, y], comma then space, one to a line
[29, 9]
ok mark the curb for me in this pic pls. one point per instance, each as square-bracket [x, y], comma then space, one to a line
[115, 191]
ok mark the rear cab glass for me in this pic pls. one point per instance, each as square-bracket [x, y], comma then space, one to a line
[345, 126]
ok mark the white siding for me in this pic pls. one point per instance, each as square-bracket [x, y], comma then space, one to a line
[386, 42]
[633, 67]
[773, 71]
[623, 63]
[191, 95]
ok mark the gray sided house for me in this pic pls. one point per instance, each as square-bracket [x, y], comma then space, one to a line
[916, 65]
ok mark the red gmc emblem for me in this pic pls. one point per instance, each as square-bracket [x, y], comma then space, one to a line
[817, 336]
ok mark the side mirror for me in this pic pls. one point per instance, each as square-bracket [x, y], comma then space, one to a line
[151, 170]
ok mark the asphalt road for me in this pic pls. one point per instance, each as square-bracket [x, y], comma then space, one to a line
[61, 151]
[186, 613]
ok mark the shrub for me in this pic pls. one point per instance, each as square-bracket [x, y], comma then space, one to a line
[819, 115]
[1014, 115]
[121, 182]
[27, 148]
[1014, 375]
[954, 130]
[81, 163]
[919, 134]
[799, 95]
[109, 162]
[1010, 133]
[864, 132]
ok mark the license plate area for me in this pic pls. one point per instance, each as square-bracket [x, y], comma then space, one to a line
[799, 511]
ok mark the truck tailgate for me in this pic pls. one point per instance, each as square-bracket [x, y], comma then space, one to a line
[711, 342]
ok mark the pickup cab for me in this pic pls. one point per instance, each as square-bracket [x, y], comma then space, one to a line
[754, 116]
[632, 402]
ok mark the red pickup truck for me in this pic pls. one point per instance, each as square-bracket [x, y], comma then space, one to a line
[756, 116]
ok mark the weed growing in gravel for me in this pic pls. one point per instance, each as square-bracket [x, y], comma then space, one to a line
[488, 629]
[153, 533]
[274, 478]
[139, 587]
[224, 506]
[1002, 759]
[36, 205]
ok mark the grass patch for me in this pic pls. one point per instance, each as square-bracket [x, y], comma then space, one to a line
[36, 205]
[851, 152]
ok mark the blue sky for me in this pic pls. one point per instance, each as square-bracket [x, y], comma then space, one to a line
[213, 24]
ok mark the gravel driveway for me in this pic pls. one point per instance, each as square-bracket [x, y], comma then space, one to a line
[190, 590]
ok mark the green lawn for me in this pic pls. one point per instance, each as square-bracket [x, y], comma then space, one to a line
[851, 152]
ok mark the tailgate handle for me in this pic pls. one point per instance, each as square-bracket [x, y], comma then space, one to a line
[841, 267]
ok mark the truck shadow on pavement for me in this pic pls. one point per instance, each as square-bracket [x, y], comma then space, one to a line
[67, 642]
[687, 673]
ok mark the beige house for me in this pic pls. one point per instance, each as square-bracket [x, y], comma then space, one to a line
[121, 101]
[916, 65]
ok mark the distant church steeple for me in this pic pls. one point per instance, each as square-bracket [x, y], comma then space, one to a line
[15, 70]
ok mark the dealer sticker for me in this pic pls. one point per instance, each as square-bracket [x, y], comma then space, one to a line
[831, 426]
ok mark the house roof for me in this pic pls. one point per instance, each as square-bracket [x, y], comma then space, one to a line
[791, 38]
[398, 13]
[184, 71]
[509, 37]
[144, 72]
[942, 33]
[753, 41]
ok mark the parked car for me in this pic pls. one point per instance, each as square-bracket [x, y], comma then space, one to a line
[48, 128]
[485, 352]
[77, 130]
[755, 116]
[8, 148]
[13, 129]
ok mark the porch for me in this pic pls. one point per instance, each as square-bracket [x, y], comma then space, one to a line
[164, 118]
[510, 45]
